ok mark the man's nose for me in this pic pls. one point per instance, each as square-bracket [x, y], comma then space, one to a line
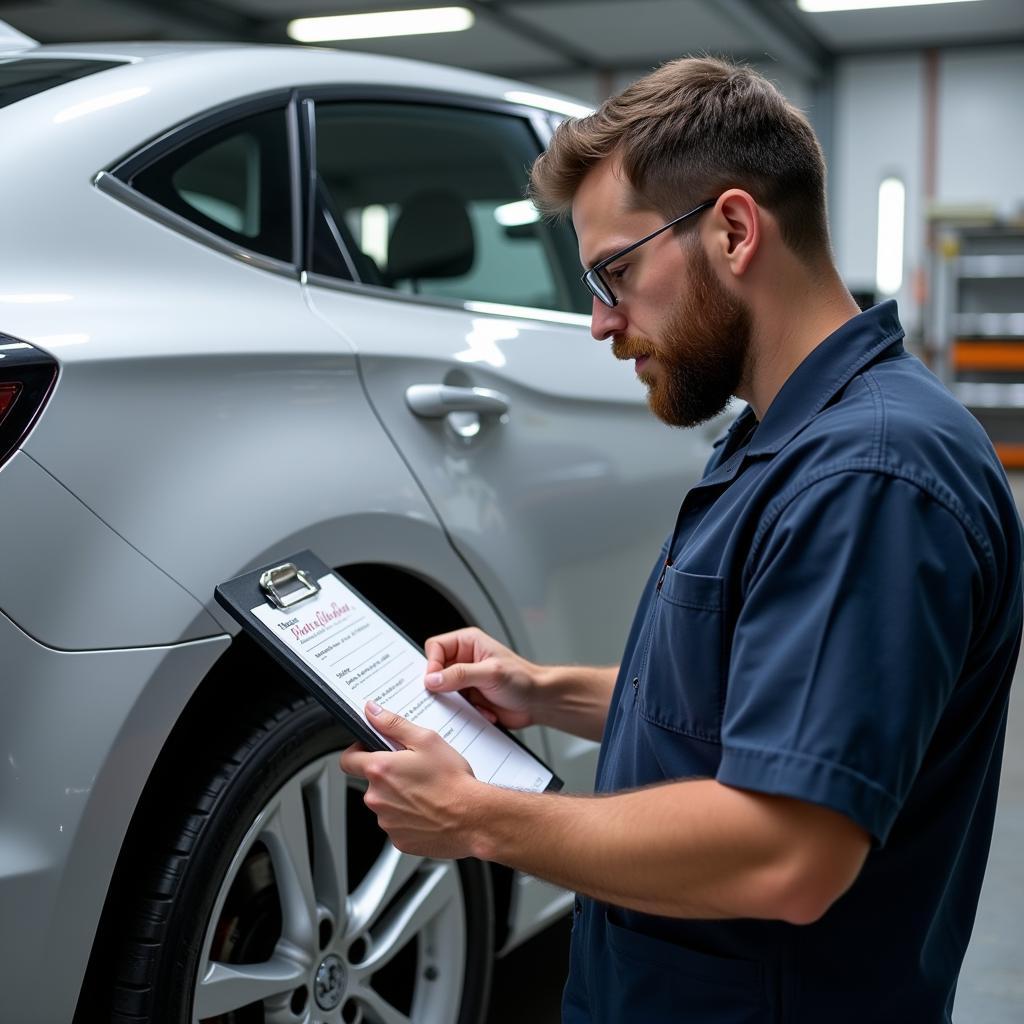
[606, 320]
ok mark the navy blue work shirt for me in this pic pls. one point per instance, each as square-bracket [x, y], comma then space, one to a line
[836, 617]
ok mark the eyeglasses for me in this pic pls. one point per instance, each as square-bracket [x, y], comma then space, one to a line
[599, 287]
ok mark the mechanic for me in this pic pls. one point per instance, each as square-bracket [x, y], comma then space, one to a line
[800, 752]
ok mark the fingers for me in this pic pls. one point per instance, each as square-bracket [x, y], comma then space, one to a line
[394, 727]
[461, 676]
[353, 760]
[458, 645]
[356, 759]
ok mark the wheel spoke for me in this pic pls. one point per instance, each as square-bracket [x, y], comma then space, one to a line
[433, 891]
[328, 807]
[377, 1008]
[389, 873]
[285, 836]
[227, 987]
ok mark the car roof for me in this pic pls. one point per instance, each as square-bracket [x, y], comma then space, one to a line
[304, 64]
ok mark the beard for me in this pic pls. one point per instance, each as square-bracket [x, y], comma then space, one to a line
[702, 352]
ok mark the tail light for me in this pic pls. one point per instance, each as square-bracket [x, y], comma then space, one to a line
[27, 376]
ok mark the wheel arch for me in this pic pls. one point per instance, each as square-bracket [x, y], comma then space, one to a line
[241, 672]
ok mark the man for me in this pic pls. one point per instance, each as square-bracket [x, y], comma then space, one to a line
[800, 752]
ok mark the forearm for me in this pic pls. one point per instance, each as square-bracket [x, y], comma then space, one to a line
[574, 698]
[692, 849]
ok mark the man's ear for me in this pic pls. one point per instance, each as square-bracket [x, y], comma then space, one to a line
[737, 225]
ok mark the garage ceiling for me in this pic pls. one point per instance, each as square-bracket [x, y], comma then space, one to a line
[525, 38]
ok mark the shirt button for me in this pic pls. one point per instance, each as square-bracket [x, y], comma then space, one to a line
[577, 906]
[636, 682]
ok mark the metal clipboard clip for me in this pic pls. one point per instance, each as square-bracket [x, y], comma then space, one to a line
[280, 576]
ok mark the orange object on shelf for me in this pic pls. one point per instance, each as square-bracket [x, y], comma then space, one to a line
[1010, 455]
[1007, 355]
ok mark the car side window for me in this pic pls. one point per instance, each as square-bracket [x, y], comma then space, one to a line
[430, 201]
[24, 77]
[232, 180]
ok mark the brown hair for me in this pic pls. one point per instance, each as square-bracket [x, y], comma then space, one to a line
[687, 132]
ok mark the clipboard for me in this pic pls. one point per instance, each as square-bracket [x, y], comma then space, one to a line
[302, 613]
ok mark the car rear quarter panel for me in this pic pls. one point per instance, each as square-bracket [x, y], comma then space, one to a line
[78, 734]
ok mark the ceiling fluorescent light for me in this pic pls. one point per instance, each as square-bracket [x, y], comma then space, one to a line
[828, 6]
[424, 21]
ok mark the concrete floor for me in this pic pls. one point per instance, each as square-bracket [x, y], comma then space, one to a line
[528, 983]
[991, 989]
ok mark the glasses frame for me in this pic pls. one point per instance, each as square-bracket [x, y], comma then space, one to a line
[599, 287]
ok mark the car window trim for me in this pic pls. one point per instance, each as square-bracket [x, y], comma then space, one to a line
[535, 118]
[425, 96]
[117, 189]
[293, 133]
[559, 317]
[307, 156]
[170, 139]
[299, 106]
[113, 179]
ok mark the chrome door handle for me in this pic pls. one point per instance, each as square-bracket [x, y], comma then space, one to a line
[434, 401]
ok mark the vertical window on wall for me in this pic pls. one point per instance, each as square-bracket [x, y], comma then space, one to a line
[891, 217]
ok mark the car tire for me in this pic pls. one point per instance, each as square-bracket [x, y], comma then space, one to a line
[268, 894]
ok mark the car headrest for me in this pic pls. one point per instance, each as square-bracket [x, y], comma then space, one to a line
[432, 237]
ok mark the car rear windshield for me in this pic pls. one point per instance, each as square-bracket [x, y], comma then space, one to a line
[21, 77]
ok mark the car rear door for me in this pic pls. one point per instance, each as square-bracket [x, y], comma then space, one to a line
[537, 449]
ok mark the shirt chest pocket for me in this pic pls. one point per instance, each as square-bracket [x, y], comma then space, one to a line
[681, 685]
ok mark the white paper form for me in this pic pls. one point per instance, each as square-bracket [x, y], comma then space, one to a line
[362, 657]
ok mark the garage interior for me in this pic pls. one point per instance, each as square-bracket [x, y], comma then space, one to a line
[918, 109]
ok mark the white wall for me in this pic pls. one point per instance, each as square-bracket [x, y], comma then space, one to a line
[878, 133]
[981, 128]
[880, 129]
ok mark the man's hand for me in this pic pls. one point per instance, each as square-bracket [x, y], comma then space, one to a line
[422, 795]
[496, 680]
[515, 692]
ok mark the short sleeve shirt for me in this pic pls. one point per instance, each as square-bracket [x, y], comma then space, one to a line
[835, 618]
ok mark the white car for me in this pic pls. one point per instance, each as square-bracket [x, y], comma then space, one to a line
[255, 300]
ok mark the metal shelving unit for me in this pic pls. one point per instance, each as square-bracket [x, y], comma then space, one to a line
[978, 326]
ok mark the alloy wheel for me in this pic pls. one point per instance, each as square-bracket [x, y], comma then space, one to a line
[319, 919]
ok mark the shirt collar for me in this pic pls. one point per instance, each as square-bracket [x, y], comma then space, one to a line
[824, 372]
[808, 389]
